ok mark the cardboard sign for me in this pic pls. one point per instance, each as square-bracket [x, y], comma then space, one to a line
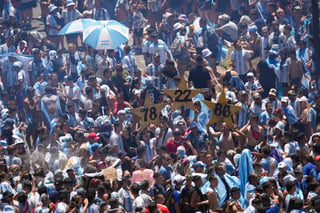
[182, 96]
[149, 113]
[222, 111]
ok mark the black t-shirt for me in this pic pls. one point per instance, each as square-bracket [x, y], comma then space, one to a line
[199, 76]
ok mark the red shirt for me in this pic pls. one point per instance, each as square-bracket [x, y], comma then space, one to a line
[162, 208]
[173, 145]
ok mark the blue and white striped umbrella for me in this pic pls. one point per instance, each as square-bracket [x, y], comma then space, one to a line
[106, 35]
[78, 26]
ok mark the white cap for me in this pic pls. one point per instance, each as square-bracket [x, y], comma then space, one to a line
[70, 3]
[206, 52]
[282, 165]
[303, 98]
[285, 99]
[250, 74]
[52, 54]
[52, 7]
[177, 26]
[179, 178]
[224, 17]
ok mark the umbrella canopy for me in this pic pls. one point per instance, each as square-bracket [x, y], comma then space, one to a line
[106, 35]
[78, 26]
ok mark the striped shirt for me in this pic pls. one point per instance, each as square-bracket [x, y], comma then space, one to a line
[51, 22]
[71, 15]
[124, 195]
[137, 20]
[149, 149]
[264, 45]
[312, 117]
[73, 63]
[11, 74]
[152, 70]
[160, 47]
[41, 209]
[243, 114]
[275, 103]
[240, 60]
[155, 5]
[284, 72]
[100, 14]
[130, 61]
[5, 49]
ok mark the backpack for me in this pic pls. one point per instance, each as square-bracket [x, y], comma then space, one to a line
[169, 200]
[176, 48]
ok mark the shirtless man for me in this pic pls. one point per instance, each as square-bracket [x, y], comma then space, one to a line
[253, 132]
[32, 117]
[295, 67]
[227, 138]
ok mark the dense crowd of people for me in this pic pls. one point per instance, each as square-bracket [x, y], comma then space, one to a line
[70, 141]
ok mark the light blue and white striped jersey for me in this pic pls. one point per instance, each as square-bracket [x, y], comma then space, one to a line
[312, 117]
[11, 74]
[12, 160]
[291, 114]
[240, 60]
[275, 103]
[255, 108]
[243, 114]
[154, 5]
[137, 20]
[130, 61]
[73, 63]
[93, 208]
[291, 147]
[100, 14]
[41, 209]
[152, 70]
[160, 47]
[264, 45]
[291, 43]
[284, 72]
[8, 11]
[71, 15]
[124, 195]
[51, 22]
[264, 119]
[149, 149]
[5, 49]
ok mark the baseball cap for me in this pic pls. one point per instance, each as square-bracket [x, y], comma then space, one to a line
[206, 52]
[273, 91]
[289, 178]
[282, 165]
[182, 17]
[93, 136]
[224, 17]
[123, 154]
[250, 74]
[285, 99]
[179, 178]
[256, 95]
[70, 3]
[193, 124]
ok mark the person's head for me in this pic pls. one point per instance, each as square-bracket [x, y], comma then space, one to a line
[253, 179]
[250, 76]
[156, 57]
[269, 107]
[237, 44]
[267, 187]
[275, 26]
[291, 187]
[213, 180]
[302, 44]
[181, 126]
[199, 60]
[194, 128]
[221, 169]
[292, 53]
[203, 22]
[235, 193]
[197, 181]
[179, 180]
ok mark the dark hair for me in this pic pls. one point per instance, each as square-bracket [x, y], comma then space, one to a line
[290, 185]
[135, 188]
